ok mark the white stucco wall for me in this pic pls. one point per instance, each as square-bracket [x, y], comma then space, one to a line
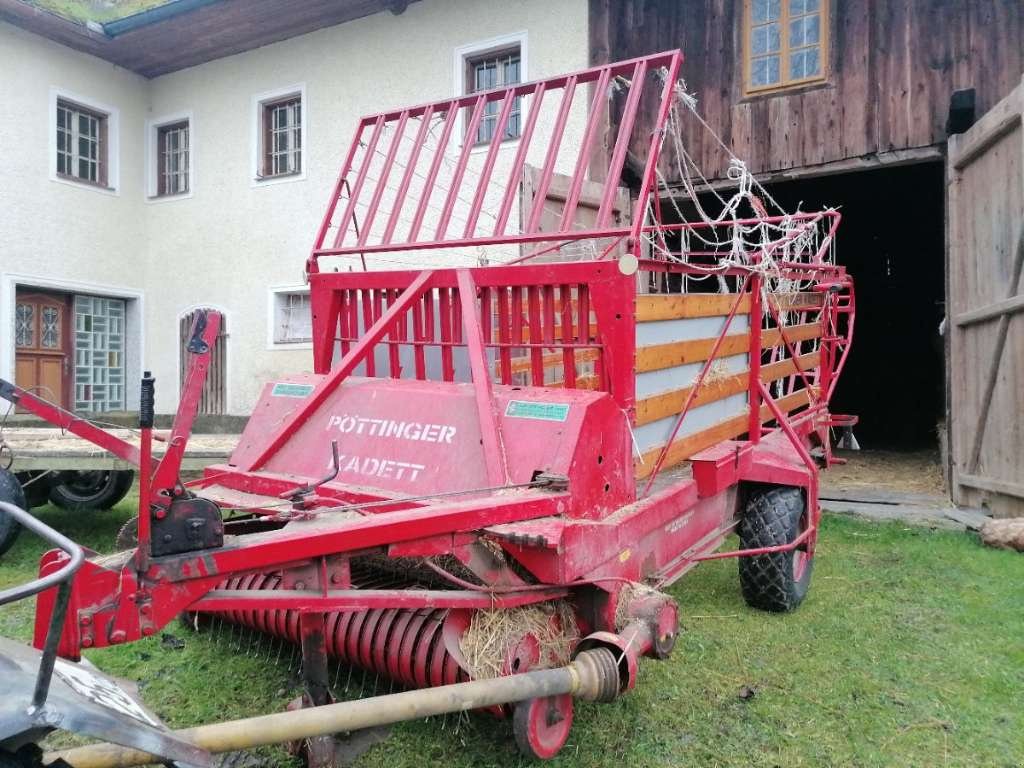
[57, 234]
[232, 238]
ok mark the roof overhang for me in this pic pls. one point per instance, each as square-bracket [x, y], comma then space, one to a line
[184, 33]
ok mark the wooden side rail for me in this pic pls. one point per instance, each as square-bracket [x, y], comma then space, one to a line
[666, 404]
[658, 356]
[684, 447]
[683, 306]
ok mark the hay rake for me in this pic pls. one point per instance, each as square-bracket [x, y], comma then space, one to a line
[450, 500]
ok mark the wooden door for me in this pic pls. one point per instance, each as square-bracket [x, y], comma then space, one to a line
[985, 310]
[214, 397]
[42, 345]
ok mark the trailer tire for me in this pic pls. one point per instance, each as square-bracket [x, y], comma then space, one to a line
[36, 486]
[12, 493]
[95, 489]
[774, 582]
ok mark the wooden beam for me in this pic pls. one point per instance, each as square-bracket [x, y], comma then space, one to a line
[680, 306]
[683, 306]
[658, 356]
[683, 448]
[1005, 487]
[991, 311]
[868, 162]
[666, 404]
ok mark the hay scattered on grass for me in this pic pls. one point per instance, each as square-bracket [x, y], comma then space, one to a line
[493, 635]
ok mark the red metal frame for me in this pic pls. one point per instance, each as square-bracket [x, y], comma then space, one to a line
[431, 412]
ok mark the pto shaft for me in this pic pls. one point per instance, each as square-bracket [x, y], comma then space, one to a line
[593, 675]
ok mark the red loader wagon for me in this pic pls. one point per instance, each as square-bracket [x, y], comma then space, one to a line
[527, 415]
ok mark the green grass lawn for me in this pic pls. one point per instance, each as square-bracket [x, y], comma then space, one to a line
[909, 650]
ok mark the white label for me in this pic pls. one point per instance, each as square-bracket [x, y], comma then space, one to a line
[402, 430]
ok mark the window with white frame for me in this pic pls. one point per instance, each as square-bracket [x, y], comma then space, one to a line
[172, 159]
[489, 70]
[281, 136]
[81, 144]
[292, 317]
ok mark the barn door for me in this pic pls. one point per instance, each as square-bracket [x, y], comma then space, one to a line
[214, 398]
[985, 310]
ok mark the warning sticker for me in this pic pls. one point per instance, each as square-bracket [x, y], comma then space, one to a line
[283, 389]
[525, 409]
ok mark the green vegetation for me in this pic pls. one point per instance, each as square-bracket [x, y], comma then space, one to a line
[909, 651]
[97, 10]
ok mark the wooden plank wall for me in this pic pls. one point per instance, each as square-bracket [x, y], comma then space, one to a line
[986, 309]
[893, 66]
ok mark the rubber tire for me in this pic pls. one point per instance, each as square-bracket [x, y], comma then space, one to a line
[37, 493]
[772, 517]
[12, 493]
[115, 486]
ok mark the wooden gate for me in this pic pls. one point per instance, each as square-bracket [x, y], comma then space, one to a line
[984, 311]
[214, 398]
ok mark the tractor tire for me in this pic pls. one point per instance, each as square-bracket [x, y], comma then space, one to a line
[774, 582]
[96, 489]
[11, 492]
[36, 486]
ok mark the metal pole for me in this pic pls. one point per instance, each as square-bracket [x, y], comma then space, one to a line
[592, 675]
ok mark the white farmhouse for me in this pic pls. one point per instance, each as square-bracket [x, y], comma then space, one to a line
[182, 157]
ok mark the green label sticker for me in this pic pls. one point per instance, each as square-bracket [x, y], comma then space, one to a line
[282, 389]
[525, 409]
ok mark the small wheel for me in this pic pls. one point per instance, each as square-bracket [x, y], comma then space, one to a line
[541, 726]
[11, 492]
[776, 582]
[93, 489]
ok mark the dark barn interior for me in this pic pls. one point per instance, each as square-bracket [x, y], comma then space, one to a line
[892, 240]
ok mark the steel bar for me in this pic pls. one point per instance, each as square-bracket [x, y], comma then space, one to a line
[516, 173]
[355, 189]
[492, 155]
[541, 192]
[410, 171]
[487, 408]
[618, 158]
[583, 678]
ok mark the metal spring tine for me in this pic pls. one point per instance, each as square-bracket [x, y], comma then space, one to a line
[348, 682]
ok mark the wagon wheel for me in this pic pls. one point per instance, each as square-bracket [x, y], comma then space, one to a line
[777, 581]
[92, 489]
[541, 726]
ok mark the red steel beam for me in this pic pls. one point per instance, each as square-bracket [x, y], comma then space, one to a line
[583, 159]
[541, 192]
[355, 189]
[618, 158]
[486, 405]
[345, 367]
